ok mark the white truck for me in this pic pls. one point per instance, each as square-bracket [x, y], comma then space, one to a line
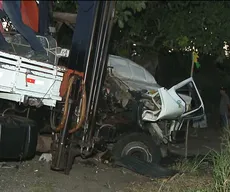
[28, 81]
[36, 83]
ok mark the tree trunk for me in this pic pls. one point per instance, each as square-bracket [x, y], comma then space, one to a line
[155, 64]
[65, 17]
[149, 61]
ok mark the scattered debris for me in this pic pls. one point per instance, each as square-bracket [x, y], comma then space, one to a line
[144, 168]
[4, 165]
[46, 157]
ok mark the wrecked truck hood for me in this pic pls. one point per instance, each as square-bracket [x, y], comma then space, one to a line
[133, 75]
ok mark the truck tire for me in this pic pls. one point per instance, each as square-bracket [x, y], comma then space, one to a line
[139, 145]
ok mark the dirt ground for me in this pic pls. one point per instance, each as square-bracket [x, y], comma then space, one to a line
[201, 143]
[87, 176]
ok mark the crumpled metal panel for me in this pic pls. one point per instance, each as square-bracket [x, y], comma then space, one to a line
[130, 73]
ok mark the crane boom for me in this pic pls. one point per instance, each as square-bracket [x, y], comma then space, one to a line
[88, 55]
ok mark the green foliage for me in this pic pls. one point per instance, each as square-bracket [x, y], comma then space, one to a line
[69, 6]
[126, 10]
[156, 25]
[182, 41]
[201, 24]
[221, 164]
[190, 166]
[179, 24]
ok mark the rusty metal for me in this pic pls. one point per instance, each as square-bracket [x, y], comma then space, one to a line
[82, 111]
[59, 159]
[64, 117]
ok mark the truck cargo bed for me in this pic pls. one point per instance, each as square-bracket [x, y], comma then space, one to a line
[25, 80]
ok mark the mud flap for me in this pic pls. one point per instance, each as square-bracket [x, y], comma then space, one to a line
[152, 170]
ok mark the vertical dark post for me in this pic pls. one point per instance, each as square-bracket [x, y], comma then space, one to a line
[89, 53]
[44, 17]
[59, 163]
[101, 57]
[83, 35]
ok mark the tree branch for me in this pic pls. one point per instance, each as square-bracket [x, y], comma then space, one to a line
[65, 17]
[158, 24]
[149, 45]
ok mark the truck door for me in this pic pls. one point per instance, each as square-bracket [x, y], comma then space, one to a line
[182, 100]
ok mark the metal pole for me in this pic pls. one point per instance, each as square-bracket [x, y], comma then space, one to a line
[226, 118]
[93, 85]
[44, 19]
[59, 159]
[103, 60]
[192, 66]
[187, 126]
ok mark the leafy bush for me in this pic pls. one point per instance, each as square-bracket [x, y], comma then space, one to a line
[221, 164]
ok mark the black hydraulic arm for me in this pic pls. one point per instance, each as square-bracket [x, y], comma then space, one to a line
[100, 65]
[89, 55]
[83, 35]
[44, 16]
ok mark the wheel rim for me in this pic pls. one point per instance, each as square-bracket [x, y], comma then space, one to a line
[138, 151]
[138, 154]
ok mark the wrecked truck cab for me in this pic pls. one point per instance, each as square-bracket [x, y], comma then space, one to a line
[172, 104]
[160, 112]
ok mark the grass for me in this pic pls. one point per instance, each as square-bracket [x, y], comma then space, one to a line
[221, 164]
[209, 174]
[178, 183]
[191, 166]
[190, 178]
